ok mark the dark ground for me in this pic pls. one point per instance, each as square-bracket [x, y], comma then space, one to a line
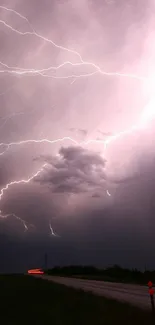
[26, 300]
[111, 274]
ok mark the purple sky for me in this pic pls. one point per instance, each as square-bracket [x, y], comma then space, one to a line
[79, 70]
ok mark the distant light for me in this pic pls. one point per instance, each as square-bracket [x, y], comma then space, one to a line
[35, 271]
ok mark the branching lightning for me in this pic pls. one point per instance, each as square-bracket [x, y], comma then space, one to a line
[25, 181]
[24, 223]
[17, 14]
[147, 115]
[21, 71]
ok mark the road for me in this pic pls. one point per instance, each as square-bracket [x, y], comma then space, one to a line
[133, 294]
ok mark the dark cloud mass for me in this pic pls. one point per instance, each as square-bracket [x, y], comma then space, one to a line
[77, 144]
[75, 170]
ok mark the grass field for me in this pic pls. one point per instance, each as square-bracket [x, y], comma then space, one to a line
[26, 300]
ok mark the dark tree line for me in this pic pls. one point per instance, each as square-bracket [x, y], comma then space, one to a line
[114, 273]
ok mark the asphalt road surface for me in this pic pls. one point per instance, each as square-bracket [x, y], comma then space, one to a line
[133, 294]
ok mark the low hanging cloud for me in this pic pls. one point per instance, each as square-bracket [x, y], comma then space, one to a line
[74, 170]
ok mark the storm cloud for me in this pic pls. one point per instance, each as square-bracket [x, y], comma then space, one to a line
[71, 73]
[74, 170]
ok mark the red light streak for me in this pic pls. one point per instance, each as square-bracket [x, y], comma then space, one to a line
[35, 271]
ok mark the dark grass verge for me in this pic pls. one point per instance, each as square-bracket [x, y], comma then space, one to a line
[27, 300]
[110, 279]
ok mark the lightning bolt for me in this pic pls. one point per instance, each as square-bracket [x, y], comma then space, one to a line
[25, 181]
[32, 72]
[146, 116]
[20, 71]
[25, 224]
[52, 232]
[8, 145]
[17, 14]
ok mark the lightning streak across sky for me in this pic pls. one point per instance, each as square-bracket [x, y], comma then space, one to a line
[52, 232]
[25, 181]
[147, 115]
[20, 71]
[25, 224]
